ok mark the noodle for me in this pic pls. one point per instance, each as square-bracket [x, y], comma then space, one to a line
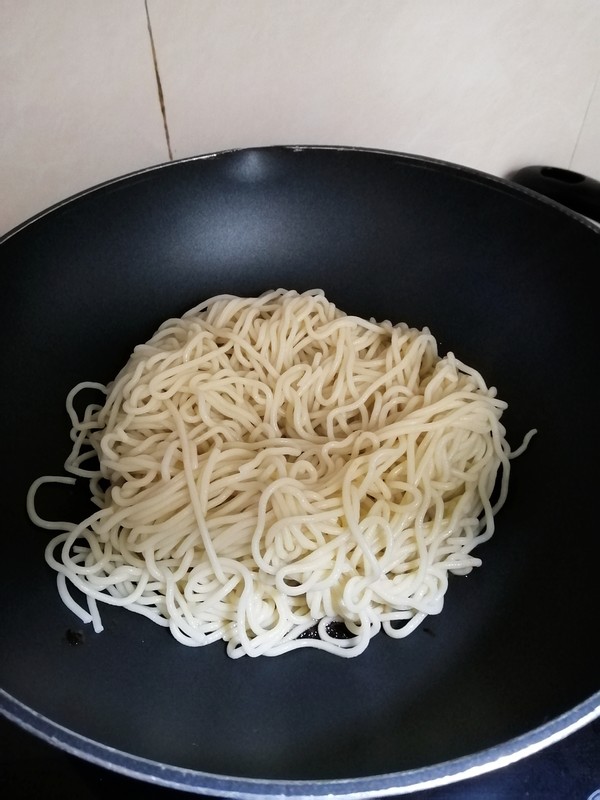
[277, 474]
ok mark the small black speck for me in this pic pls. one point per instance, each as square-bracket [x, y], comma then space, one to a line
[75, 637]
[335, 629]
[428, 631]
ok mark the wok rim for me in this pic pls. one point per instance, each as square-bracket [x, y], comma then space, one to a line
[394, 783]
[477, 174]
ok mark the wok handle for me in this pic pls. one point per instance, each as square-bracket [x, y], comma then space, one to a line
[578, 192]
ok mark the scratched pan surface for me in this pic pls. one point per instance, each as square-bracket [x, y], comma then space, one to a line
[502, 278]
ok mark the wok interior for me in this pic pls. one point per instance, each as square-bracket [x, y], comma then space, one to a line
[499, 277]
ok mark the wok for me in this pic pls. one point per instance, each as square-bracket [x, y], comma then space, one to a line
[500, 274]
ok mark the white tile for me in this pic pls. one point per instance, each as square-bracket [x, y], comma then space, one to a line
[78, 100]
[493, 84]
[586, 156]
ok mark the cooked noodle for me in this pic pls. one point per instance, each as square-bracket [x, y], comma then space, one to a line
[268, 468]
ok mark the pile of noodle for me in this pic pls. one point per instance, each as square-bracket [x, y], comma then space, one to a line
[264, 467]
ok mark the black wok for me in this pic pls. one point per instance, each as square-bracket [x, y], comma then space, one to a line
[501, 275]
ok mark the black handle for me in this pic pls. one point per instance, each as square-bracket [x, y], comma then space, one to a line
[578, 192]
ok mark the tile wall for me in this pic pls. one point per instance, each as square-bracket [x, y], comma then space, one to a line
[492, 84]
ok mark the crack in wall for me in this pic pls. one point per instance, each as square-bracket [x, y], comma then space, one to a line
[584, 120]
[161, 97]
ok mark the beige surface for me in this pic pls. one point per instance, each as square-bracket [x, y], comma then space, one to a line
[493, 84]
[77, 100]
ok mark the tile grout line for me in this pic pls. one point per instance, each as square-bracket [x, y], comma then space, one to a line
[583, 121]
[161, 98]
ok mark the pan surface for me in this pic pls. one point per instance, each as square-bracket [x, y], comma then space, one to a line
[500, 276]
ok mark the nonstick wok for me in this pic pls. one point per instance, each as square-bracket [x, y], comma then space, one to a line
[501, 275]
